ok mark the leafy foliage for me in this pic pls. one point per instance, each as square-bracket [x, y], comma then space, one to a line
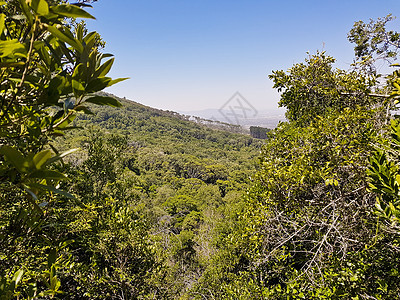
[155, 206]
[384, 176]
[307, 208]
[49, 70]
[374, 42]
[156, 161]
[308, 228]
[313, 88]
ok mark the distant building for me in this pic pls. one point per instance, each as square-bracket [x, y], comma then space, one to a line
[259, 132]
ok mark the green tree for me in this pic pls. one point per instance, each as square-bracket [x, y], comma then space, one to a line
[373, 42]
[308, 206]
[314, 87]
[384, 172]
[49, 71]
[306, 228]
[110, 231]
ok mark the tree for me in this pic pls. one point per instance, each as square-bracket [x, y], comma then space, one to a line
[313, 88]
[374, 42]
[308, 207]
[384, 173]
[306, 229]
[110, 232]
[259, 132]
[49, 71]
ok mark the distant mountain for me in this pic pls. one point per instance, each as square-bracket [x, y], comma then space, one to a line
[264, 118]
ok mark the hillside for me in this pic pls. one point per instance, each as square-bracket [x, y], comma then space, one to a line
[182, 177]
[170, 133]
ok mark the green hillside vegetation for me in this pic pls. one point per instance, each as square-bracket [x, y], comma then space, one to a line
[105, 198]
[179, 177]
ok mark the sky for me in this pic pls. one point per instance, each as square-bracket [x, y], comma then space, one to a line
[188, 55]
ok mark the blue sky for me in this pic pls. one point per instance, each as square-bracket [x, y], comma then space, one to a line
[186, 55]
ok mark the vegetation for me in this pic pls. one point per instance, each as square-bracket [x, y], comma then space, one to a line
[259, 132]
[104, 198]
[156, 162]
[310, 227]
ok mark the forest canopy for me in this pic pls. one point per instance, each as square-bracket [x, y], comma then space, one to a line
[105, 198]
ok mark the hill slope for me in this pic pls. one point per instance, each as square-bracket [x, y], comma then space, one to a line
[180, 176]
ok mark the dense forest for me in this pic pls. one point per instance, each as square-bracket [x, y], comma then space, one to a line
[105, 198]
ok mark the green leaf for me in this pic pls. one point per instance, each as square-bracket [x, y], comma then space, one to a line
[15, 158]
[11, 64]
[11, 47]
[63, 37]
[52, 189]
[40, 7]
[85, 109]
[26, 11]
[60, 156]
[66, 122]
[100, 100]
[2, 19]
[398, 179]
[57, 133]
[52, 257]
[106, 55]
[47, 174]
[78, 88]
[66, 244]
[44, 55]
[112, 82]
[392, 208]
[71, 11]
[18, 276]
[40, 158]
[90, 37]
[79, 73]
[104, 68]
[79, 32]
[98, 84]
[57, 86]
